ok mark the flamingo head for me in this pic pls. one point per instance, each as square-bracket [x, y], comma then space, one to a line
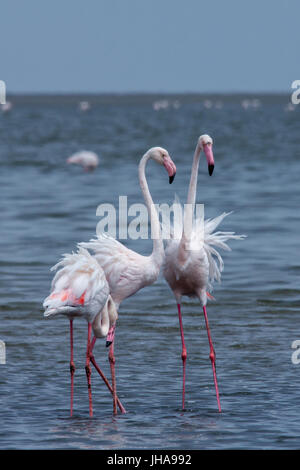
[205, 143]
[161, 156]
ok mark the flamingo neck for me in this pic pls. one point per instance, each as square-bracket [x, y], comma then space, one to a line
[158, 248]
[101, 323]
[190, 204]
[105, 319]
[191, 198]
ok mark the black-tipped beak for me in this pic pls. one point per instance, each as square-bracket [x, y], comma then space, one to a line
[210, 169]
[108, 343]
[171, 178]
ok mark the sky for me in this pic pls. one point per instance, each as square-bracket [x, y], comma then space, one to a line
[149, 45]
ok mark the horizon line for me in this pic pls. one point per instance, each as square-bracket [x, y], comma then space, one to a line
[134, 93]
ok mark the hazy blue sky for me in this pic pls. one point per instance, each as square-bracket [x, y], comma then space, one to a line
[149, 45]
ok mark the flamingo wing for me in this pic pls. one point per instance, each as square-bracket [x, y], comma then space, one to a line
[201, 246]
[78, 287]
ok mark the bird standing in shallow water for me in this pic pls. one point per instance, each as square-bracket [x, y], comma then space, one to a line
[125, 270]
[79, 289]
[190, 266]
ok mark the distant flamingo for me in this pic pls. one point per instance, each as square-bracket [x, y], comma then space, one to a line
[88, 160]
[189, 264]
[79, 289]
[84, 106]
[127, 271]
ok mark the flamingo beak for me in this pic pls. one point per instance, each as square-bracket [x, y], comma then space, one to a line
[209, 157]
[170, 167]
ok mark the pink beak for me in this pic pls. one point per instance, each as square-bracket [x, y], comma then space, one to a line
[209, 157]
[170, 167]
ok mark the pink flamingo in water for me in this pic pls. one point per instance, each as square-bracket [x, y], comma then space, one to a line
[125, 270]
[79, 289]
[94, 286]
[88, 160]
[190, 266]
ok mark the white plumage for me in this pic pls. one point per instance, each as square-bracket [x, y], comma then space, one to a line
[192, 271]
[79, 288]
[127, 271]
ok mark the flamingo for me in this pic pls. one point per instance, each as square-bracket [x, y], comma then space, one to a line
[88, 160]
[127, 271]
[79, 289]
[190, 266]
[84, 106]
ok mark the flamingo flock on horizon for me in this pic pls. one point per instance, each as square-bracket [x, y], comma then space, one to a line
[93, 286]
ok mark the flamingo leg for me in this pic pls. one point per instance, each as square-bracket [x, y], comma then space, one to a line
[112, 360]
[72, 367]
[93, 361]
[88, 368]
[212, 356]
[183, 354]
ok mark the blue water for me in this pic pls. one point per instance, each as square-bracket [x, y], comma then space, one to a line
[47, 207]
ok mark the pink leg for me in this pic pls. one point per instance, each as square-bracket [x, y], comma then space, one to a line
[93, 361]
[93, 344]
[183, 354]
[212, 356]
[72, 367]
[88, 368]
[112, 362]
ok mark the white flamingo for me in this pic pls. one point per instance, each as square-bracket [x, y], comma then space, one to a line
[189, 265]
[127, 271]
[79, 289]
[88, 160]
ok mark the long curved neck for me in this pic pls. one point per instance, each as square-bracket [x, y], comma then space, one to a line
[101, 323]
[190, 205]
[158, 248]
[191, 198]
